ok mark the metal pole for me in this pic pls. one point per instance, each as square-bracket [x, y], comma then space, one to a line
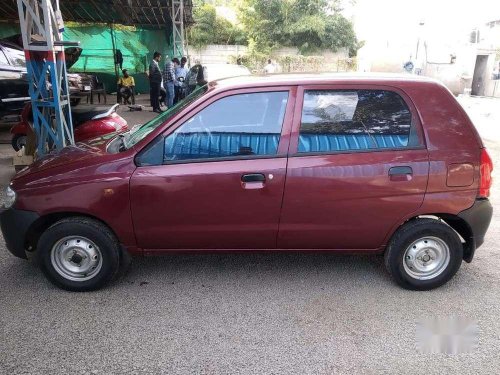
[177, 16]
[41, 29]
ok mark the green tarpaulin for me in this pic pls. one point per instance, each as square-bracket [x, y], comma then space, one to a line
[136, 45]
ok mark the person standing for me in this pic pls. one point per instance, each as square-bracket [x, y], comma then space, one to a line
[180, 79]
[496, 72]
[168, 82]
[195, 77]
[269, 68]
[155, 82]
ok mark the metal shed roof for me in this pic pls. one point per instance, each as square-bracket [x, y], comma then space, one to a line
[149, 13]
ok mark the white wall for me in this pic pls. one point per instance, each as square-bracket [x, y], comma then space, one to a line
[215, 54]
[220, 54]
[435, 61]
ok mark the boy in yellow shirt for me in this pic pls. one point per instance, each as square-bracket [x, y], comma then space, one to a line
[126, 86]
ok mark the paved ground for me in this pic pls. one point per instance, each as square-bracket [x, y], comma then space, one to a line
[249, 314]
[138, 117]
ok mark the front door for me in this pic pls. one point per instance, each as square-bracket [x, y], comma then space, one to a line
[357, 167]
[221, 182]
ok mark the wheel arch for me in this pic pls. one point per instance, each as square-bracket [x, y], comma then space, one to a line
[44, 222]
[459, 225]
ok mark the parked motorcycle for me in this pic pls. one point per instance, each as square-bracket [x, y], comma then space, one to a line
[88, 122]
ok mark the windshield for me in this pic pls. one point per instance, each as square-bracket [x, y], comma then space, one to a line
[17, 56]
[141, 132]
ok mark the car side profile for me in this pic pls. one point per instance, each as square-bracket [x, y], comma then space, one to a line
[376, 164]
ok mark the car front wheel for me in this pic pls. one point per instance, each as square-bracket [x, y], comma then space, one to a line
[79, 254]
[423, 254]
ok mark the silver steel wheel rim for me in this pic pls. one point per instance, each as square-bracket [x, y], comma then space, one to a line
[426, 258]
[76, 258]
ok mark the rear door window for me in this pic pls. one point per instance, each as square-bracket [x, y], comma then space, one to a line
[353, 120]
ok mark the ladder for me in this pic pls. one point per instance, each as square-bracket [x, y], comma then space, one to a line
[41, 28]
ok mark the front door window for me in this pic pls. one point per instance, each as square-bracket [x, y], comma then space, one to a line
[236, 126]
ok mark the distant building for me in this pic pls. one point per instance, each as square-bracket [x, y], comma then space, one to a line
[464, 63]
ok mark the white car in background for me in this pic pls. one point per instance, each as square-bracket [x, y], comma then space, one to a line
[220, 71]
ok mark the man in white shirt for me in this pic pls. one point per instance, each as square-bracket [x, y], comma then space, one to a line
[269, 68]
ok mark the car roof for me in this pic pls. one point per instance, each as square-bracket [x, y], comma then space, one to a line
[319, 78]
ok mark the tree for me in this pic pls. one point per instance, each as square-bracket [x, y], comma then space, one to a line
[209, 28]
[309, 25]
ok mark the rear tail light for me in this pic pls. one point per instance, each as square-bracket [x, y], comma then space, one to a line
[485, 170]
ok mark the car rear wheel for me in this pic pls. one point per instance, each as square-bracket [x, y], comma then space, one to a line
[79, 254]
[423, 254]
[19, 141]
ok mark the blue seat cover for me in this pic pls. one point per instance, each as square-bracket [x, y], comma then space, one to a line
[183, 146]
[346, 142]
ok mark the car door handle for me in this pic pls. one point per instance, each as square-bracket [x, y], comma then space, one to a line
[253, 177]
[400, 173]
[253, 181]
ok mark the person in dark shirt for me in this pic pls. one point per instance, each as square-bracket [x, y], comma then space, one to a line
[155, 78]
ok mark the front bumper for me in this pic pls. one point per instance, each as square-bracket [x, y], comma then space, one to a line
[478, 217]
[15, 225]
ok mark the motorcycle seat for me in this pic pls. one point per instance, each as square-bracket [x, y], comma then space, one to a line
[83, 114]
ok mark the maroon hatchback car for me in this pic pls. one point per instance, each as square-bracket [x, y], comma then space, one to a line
[372, 164]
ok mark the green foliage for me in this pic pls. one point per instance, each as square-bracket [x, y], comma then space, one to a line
[309, 25]
[295, 63]
[299, 63]
[209, 28]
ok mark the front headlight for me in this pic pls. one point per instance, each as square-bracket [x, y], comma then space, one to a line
[10, 197]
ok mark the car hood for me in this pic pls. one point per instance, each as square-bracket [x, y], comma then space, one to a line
[71, 155]
[68, 155]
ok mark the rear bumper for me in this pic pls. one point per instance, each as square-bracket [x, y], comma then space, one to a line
[15, 225]
[478, 217]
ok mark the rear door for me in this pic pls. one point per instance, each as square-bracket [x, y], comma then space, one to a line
[358, 166]
[219, 181]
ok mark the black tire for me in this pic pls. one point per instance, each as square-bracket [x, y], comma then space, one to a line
[75, 101]
[95, 232]
[405, 236]
[18, 141]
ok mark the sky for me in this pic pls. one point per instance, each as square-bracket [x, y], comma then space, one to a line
[398, 20]
[379, 20]
[397, 25]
